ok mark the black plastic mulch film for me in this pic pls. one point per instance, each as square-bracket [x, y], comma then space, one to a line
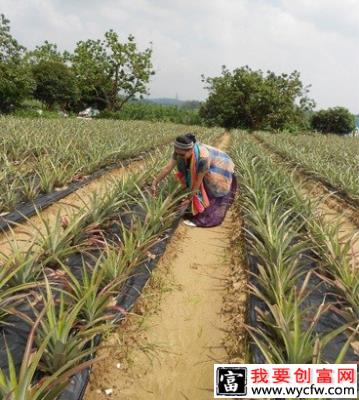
[318, 291]
[126, 299]
[15, 335]
[25, 210]
[335, 191]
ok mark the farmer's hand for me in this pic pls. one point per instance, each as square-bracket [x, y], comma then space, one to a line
[154, 187]
[185, 202]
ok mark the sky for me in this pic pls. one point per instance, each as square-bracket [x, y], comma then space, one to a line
[319, 38]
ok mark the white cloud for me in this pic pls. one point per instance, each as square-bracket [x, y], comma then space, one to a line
[341, 17]
[318, 38]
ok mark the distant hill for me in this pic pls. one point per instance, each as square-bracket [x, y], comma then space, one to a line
[175, 102]
[357, 120]
[166, 101]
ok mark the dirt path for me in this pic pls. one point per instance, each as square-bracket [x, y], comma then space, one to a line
[332, 212]
[188, 331]
[331, 209]
[26, 231]
[224, 142]
[315, 187]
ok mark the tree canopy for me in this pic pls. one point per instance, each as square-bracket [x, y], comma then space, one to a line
[337, 120]
[16, 82]
[103, 73]
[252, 99]
[46, 52]
[109, 72]
[55, 84]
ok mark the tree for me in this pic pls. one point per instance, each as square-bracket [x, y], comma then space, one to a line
[10, 49]
[55, 84]
[46, 52]
[16, 82]
[254, 100]
[89, 65]
[109, 73]
[337, 120]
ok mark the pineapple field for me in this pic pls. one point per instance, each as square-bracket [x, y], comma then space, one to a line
[104, 293]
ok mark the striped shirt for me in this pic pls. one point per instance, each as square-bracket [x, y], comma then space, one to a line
[218, 168]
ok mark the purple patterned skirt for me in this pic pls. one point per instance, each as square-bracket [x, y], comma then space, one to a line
[217, 210]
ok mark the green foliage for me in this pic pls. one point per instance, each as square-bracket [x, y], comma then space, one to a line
[61, 323]
[29, 112]
[330, 158]
[110, 72]
[15, 78]
[20, 382]
[42, 154]
[154, 112]
[192, 104]
[101, 73]
[281, 225]
[10, 49]
[55, 84]
[32, 108]
[46, 52]
[337, 120]
[251, 99]
[16, 84]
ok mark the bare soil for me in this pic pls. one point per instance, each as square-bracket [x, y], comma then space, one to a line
[24, 233]
[333, 210]
[316, 188]
[186, 322]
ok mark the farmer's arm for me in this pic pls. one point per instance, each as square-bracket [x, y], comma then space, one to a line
[163, 173]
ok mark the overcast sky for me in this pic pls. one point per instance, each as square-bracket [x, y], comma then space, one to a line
[319, 38]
